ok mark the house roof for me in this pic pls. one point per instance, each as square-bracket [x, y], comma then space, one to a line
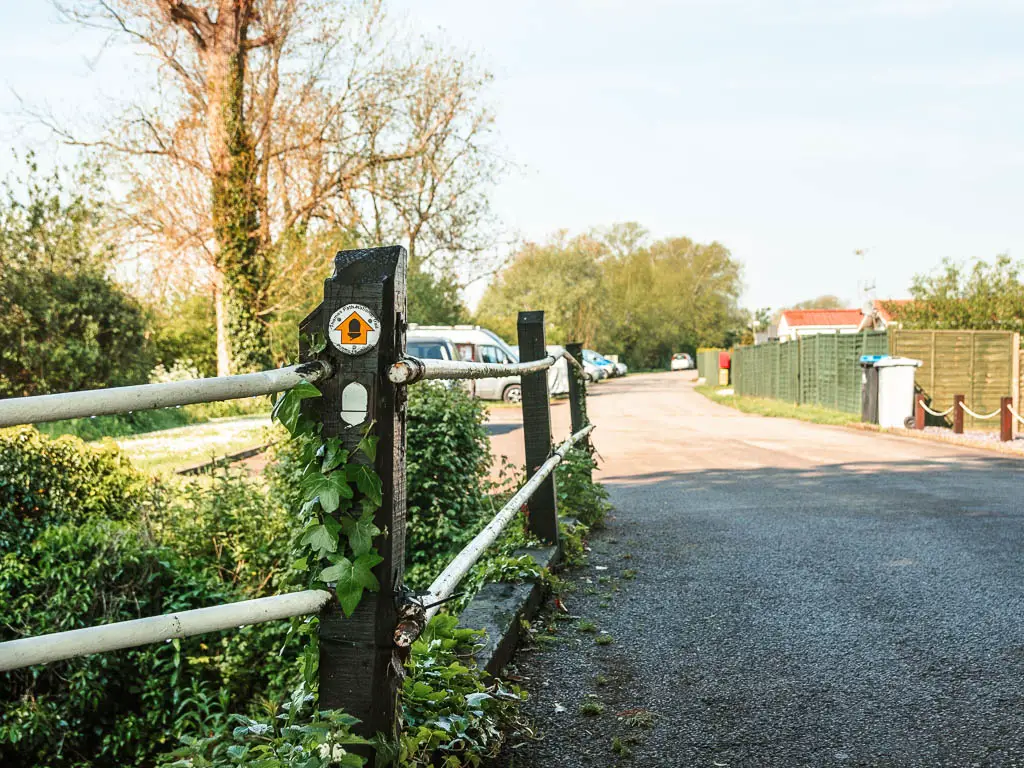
[829, 317]
[886, 314]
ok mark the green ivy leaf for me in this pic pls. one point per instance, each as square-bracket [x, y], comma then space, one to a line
[288, 408]
[319, 539]
[351, 578]
[334, 455]
[360, 533]
[310, 662]
[368, 446]
[366, 481]
[329, 489]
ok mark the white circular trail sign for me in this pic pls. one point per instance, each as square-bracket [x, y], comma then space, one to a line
[354, 329]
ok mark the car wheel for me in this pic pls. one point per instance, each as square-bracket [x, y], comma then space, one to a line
[588, 377]
[513, 394]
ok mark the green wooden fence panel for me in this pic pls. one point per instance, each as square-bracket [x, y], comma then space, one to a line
[817, 370]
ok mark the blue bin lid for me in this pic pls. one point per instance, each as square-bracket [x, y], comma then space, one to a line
[871, 359]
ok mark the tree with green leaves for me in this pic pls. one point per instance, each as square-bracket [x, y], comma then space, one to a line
[614, 291]
[64, 323]
[562, 276]
[979, 295]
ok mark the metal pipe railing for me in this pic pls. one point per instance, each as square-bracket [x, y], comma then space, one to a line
[409, 370]
[444, 585]
[145, 397]
[45, 649]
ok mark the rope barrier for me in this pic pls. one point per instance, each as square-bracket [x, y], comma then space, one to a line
[937, 413]
[1016, 415]
[978, 415]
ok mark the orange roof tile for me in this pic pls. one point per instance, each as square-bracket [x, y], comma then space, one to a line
[823, 316]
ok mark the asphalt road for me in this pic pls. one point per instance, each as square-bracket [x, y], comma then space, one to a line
[804, 596]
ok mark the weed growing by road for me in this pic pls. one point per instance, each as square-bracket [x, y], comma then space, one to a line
[604, 639]
[591, 707]
[619, 748]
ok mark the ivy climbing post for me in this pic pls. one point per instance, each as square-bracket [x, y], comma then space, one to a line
[542, 507]
[578, 395]
[360, 330]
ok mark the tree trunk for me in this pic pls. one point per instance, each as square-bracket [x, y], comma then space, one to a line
[241, 255]
[223, 350]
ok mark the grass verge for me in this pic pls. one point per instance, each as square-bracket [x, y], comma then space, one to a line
[779, 408]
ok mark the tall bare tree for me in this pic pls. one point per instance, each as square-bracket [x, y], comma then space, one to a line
[276, 119]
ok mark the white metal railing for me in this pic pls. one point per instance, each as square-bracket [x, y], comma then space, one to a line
[443, 587]
[44, 649]
[145, 397]
[409, 369]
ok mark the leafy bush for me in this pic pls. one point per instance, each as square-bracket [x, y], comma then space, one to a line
[64, 324]
[104, 709]
[578, 496]
[230, 528]
[447, 462]
[448, 709]
[50, 482]
[88, 540]
[64, 331]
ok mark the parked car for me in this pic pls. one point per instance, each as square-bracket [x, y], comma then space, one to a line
[471, 342]
[621, 368]
[606, 366]
[592, 372]
[681, 361]
[558, 374]
[430, 347]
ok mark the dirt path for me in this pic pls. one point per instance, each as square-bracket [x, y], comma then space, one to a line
[802, 596]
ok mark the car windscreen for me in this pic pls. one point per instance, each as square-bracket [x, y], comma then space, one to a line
[427, 350]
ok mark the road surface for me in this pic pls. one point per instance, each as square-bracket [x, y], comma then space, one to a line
[803, 596]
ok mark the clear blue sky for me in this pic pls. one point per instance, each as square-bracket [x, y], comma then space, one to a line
[793, 131]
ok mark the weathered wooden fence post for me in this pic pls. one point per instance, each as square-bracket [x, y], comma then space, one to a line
[1005, 420]
[542, 507]
[578, 392]
[958, 414]
[919, 410]
[363, 319]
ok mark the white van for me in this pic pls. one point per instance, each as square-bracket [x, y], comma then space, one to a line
[471, 342]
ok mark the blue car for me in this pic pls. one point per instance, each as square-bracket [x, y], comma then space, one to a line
[603, 364]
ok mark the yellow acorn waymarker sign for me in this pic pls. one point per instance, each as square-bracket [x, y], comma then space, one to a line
[354, 329]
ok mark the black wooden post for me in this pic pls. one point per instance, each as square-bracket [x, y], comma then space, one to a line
[577, 389]
[542, 508]
[578, 392]
[359, 669]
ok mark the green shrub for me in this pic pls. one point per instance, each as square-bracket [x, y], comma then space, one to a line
[64, 331]
[578, 496]
[88, 540]
[448, 459]
[231, 529]
[104, 709]
[47, 482]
